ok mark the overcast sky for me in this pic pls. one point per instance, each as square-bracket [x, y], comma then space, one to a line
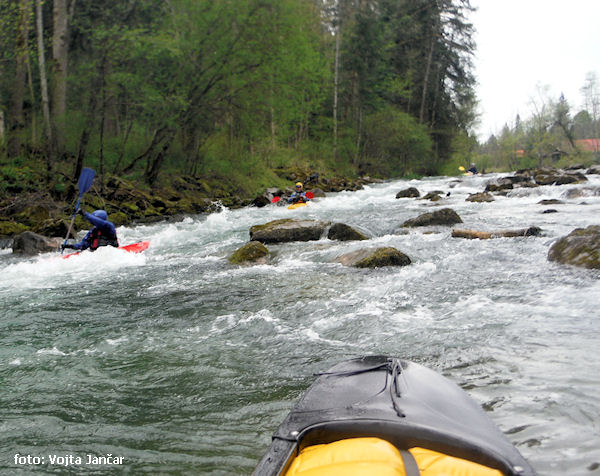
[523, 43]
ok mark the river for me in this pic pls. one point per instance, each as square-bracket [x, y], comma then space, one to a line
[177, 362]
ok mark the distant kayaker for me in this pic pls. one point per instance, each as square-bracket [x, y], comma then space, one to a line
[102, 234]
[299, 196]
[473, 169]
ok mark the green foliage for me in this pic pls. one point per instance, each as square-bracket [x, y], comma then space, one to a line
[398, 144]
[237, 88]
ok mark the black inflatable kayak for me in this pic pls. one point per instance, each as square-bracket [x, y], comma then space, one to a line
[388, 413]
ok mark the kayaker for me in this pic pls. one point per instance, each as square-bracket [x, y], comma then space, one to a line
[473, 169]
[103, 232]
[299, 196]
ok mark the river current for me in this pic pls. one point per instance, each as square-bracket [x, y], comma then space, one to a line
[177, 362]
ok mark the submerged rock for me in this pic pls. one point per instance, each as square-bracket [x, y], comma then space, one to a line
[281, 231]
[254, 251]
[551, 201]
[581, 247]
[374, 258]
[480, 197]
[30, 243]
[445, 217]
[343, 232]
[433, 196]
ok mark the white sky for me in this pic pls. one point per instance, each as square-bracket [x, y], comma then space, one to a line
[523, 43]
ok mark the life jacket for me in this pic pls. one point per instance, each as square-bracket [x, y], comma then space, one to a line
[98, 239]
[299, 197]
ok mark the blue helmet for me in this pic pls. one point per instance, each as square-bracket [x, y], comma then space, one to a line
[100, 214]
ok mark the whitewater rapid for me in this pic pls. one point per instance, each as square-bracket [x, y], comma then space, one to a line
[177, 361]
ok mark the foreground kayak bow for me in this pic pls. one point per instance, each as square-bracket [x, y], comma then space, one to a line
[382, 415]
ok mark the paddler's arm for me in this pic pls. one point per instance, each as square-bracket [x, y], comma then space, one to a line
[84, 244]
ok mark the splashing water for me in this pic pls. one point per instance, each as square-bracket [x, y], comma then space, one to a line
[177, 361]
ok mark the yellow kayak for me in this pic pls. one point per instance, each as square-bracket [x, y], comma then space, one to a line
[296, 205]
[381, 416]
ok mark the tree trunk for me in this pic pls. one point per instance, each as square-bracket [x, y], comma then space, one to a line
[335, 90]
[426, 79]
[156, 164]
[60, 55]
[16, 116]
[43, 79]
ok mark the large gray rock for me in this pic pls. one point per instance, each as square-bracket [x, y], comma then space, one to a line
[281, 231]
[343, 232]
[374, 258]
[318, 193]
[445, 217]
[581, 247]
[29, 243]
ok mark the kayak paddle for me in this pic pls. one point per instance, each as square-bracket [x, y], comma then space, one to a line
[85, 182]
[275, 199]
[461, 168]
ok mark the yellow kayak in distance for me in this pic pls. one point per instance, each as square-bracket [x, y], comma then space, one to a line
[296, 205]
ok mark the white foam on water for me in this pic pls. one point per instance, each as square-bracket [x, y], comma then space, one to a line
[53, 351]
[50, 270]
[117, 341]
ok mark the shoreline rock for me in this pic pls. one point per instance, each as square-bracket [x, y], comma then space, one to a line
[30, 243]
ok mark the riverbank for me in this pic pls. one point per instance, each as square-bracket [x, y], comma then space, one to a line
[26, 204]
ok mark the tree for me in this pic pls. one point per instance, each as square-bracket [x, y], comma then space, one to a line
[562, 119]
[22, 19]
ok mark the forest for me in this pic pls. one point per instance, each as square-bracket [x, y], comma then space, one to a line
[237, 89]
[233, 89]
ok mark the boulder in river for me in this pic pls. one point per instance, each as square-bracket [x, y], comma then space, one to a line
[30, 243]
[550, 176]
[480, 197]
[343, 232]
[410, 192]
[254, 252]
[581, 247]
[594, 170]
[374, 258]
[435, 196]
[285, 230]
[551, 201]
[445, 217]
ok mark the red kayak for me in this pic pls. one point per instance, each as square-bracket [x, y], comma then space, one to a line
[132, 248]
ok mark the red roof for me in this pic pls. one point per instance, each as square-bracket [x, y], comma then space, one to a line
[593, 145]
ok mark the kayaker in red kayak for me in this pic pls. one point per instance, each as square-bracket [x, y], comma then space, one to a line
[103, 232]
